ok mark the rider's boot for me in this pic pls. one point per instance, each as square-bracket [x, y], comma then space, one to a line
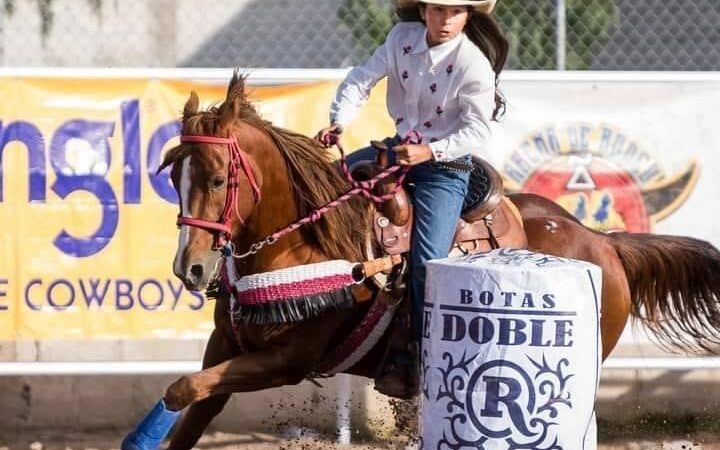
[398, 375]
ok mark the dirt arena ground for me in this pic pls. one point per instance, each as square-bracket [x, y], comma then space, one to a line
[59, 440]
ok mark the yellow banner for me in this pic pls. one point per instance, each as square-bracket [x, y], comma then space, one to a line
[88, 236]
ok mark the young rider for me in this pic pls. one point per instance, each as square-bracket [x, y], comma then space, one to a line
[442, 62]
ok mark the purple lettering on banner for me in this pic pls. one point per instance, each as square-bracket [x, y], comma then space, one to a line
[553, 140]
[146, 305]
[481, 330]
[563, 328]
[51, 292]
[511, 332]
[512, 390]
[585, 138]
[30, 136]
[528, 301]
[160, 182]
[486, 298]
[123, 290]
[3, 294]
[508, 297]
[200, 301]
[536, 339]
[176, 293]
[605, 135]
[132, 173]
[427, 317]
[548, 300]
[91, 179]
[31, 305]
[453, 328]
[92, 293]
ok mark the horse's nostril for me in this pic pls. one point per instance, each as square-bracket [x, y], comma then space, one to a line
[196, 270]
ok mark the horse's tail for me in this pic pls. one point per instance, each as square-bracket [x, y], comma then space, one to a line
[675, 287]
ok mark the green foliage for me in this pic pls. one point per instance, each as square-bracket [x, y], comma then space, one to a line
[589, 27]
[369, 21]
[46, 16]
[529, 26]
[530, 29]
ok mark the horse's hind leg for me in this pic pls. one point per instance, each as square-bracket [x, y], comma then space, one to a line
[200, 414]
[561, 236]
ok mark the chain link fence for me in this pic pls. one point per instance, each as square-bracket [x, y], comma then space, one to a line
[544, 34]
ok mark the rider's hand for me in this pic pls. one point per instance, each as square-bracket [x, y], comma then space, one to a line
[412, 154]
[329, 135]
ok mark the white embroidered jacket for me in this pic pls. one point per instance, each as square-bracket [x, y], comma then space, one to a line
[446, 92]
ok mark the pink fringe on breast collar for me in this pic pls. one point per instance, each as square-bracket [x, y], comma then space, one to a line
[290, 294]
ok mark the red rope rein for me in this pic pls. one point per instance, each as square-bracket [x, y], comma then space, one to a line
[363, 188]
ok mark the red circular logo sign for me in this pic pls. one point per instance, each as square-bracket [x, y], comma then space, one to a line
[598, 192]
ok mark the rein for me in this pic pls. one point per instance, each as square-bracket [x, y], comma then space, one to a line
[238, 158]
[363, 188]
[222, 229]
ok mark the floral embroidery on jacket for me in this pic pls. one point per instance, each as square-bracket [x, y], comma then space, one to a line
[449, 69]
[428, 124]
[399, 120]
[405, 75]
[433, 88]
[407, 49]
[439, 110]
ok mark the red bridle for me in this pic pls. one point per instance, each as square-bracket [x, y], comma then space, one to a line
[222, 228]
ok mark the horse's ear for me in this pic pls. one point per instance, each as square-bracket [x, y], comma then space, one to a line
[191, 106]
[230, 110]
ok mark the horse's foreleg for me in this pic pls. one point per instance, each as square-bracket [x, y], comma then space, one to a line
[288, 361]
[219, 348]
[196, 420]
[248, 372]
[154, 427]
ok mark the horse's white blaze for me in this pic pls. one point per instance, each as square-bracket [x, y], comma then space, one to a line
[184, 235]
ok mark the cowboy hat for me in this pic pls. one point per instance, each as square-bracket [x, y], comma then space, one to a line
[483, 6]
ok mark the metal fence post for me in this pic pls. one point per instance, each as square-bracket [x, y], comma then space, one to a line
[343, 409]
[560, 34]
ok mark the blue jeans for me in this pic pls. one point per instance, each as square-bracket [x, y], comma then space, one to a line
[437, 195]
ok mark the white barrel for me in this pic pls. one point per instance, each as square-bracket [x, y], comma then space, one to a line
[511, 352]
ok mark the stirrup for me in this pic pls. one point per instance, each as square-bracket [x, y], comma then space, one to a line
[399, 374]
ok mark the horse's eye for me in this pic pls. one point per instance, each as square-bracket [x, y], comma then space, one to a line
[217, 182]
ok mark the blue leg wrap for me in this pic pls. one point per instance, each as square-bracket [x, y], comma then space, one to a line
[152, 430]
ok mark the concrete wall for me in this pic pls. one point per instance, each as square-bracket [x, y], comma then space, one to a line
[117, 402]
[85, 403]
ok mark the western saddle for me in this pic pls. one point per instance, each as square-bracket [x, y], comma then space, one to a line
[488, 219]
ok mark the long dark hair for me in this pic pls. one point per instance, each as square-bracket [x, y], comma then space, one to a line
[485, 33]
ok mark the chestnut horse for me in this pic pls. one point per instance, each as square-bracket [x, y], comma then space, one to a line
[670, 283]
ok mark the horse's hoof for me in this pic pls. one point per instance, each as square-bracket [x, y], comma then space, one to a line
[129, 443]
[135, 441]
[153, 429]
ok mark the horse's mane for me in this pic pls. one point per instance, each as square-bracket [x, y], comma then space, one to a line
[340, 233]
